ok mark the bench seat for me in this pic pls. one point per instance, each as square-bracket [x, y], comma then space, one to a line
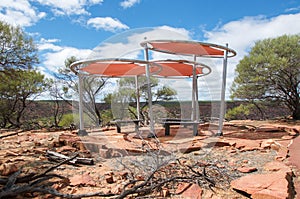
[119, 123]
[170, 122]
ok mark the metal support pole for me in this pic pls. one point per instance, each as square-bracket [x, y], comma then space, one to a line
[222, 106]
[196, 92]
[152, 130]
[137, 98]
[197, 101]
[81, 130]
[193, 94]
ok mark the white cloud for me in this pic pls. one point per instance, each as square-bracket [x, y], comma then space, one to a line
[48, 44]
[55, 60]
[54, 57]
[129, 3]
[127, 44]
[69, 7]
[43, 40]
[184, 34]
[107, 24]
[24, 13]
[242, 34]
[182, 86]
[293, 9]
[19, 12]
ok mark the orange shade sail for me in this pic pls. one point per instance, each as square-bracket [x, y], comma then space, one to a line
[130, 68]
[190, 48]
[112, 67]
[179, 68]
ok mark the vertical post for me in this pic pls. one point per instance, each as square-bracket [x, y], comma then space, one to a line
[197, 101]
[195, 105]
[81, 130]
[196, 91]
[222, 105]
[152, 130]
[137, 98]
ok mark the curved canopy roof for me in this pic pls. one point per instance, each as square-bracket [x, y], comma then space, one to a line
[111, 67]
[130, 68]
[190, 48]
[180, 68]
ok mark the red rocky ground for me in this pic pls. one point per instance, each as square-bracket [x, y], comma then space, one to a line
[259, 158]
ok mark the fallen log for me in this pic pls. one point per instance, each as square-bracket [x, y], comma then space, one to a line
[12, 134]
[58, 157]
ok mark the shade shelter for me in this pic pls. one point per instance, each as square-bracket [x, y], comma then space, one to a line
[179, 68]
[110, 68]
[183, 69]
[134, 68]
[195, 49]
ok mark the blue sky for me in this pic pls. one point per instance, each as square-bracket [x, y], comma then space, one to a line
[64, 28]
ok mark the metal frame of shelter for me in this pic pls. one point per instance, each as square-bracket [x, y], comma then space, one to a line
[195, 49]
[110, 68]
[115, 67]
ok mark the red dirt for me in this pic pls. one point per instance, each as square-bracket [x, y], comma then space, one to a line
[245, 144]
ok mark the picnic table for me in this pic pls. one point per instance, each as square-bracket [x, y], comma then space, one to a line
[167, 122]
[119, 123]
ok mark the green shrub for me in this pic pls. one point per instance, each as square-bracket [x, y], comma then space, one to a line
[107, 116]
[239, 112]
[72, 118]
[67, 120]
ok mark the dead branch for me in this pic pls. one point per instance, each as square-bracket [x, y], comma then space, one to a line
[173, 173]
[40, 183]
[163, 176]
[12, 134]
[13, 187]
[14, 178]
[58, 157]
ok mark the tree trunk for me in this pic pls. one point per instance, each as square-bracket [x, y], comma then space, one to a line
[260, 110]
[296, 113]
[98, 114]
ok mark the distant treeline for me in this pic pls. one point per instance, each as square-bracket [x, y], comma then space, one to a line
[44, 109]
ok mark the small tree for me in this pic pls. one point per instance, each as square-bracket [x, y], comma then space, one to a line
[271, 72]
[67, 80]
[165, 93]
[92, 88]
[19, 82]
[17, 49]
[18, 88]
[125, 98]
[58, 106]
